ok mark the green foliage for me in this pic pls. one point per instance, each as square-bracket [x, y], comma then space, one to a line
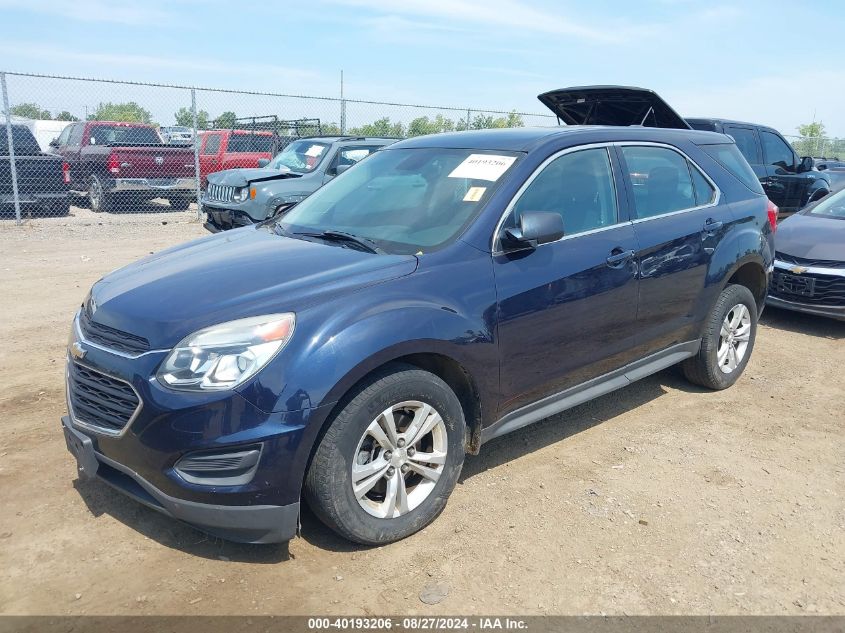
[64, 115]
[226, 120]
[814, 129]
[424, 125]
[30, 111]
[814, 142]
[380, 127]
[329, 129]
[185, 117]
[129, 112]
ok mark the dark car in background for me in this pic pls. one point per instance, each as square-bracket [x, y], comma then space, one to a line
[834, 169]
[809, 273]
[239, 197]
[789, 181]
[447, 290]
[42, 178]
[116, 166]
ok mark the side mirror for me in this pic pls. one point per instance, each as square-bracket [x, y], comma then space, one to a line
[341, 168]
[806, 164]
[54, 142]
[535, 228]
[263, 162]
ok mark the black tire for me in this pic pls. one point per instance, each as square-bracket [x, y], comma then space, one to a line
[328, 483]
[60, 208]
[181, 203]
[704, 368]
[99, 200]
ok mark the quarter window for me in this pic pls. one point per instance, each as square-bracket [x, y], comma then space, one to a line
[662, 180]
[777, 152]
[579, 186]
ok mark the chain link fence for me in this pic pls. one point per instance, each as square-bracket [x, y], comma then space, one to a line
[121, 151]
[818, 146]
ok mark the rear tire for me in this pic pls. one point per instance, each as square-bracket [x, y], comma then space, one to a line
[99, 200]
[375, 484]
[728, 340]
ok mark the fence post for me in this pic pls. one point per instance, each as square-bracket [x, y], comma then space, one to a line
[196, 152]
[467, 127]
[343, 116]
[7, 111]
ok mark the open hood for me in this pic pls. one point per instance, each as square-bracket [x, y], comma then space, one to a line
[611, 105]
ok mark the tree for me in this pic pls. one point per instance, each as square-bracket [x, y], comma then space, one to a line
[380, 127]
[424, 125]
[226, 120]
[813, 142]
[64, 115]
[130, 112]
[185, 117]
[30, 111]
[329, 129]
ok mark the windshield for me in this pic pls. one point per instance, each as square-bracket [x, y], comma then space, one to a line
[407, 201]
[831, 207]
[300, 156]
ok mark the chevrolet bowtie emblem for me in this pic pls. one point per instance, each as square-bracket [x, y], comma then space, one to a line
[77, 351]
[798, 270]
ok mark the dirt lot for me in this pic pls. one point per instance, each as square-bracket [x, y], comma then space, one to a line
[659, 498]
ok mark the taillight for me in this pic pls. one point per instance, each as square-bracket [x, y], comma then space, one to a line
[772, 210]
[66, 173]
[113, 165]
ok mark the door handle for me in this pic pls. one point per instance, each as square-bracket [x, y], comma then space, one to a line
[711, 225]
[618, 258]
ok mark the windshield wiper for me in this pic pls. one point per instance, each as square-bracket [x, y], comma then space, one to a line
[342, 236]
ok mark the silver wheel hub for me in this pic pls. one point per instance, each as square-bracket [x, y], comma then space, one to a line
[399, 459]
[734, 338]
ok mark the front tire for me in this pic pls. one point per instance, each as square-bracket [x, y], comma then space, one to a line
[729, 335]
[389, 459]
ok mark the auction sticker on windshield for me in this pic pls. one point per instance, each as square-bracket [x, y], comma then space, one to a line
[474, 194]
[483, 167]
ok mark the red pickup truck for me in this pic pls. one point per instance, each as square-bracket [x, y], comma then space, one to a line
[234, 149]
[120, 165]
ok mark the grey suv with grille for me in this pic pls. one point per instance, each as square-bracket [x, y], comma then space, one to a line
[240, 197]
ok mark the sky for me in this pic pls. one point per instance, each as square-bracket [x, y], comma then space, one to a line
[772, 62]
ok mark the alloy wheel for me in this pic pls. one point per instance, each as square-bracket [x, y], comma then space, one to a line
[399, 459]
[734, 338]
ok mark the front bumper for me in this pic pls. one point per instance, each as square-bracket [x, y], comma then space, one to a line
[833, 312]
[244, 524]
[146, 185]
[219, 219]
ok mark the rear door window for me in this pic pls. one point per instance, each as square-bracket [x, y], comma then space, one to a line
[662, 181]
[746, 142]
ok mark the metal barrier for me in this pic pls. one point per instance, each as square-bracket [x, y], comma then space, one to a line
[141, 150]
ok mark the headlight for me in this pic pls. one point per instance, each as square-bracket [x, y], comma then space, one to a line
[241, 194]
[224, 356]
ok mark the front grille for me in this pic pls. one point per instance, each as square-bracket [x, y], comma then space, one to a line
[221, 193]
[828, 290]
[801, 261]
[99, 400]
[110, 337]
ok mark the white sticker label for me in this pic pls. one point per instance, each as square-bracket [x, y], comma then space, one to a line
[474, 194]
[314, 150]
[483, 167]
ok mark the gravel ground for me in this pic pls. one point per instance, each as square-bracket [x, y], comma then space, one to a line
[660, 498]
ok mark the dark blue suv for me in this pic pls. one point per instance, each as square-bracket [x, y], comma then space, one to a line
[450, 289]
